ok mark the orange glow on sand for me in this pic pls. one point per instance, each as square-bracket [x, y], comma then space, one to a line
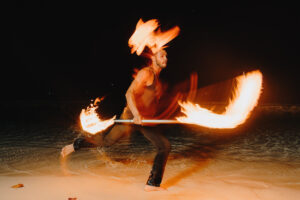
[147, 34]
[90, 120]
[245, 97]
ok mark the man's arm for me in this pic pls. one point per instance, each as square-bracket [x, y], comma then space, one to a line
[144, 78]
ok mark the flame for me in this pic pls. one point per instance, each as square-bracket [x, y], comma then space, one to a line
[90, 120]
[244, 99]
[145, 35]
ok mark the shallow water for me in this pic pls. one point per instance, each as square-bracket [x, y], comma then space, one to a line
[266, 148]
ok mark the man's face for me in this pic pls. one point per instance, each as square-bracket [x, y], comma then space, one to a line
[161, 58]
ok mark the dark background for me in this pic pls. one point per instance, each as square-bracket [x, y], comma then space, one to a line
[79, 51]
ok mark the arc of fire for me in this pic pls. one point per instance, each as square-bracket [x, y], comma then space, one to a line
[245, 98]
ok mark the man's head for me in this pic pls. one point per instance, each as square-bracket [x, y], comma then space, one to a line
[160, 58]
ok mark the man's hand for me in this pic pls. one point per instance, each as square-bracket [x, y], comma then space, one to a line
[137, 120]
[67, 150]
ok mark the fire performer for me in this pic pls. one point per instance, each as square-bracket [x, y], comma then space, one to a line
[142, 100]
[143, 97]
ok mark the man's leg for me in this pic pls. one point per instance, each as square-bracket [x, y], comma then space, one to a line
[163, 148]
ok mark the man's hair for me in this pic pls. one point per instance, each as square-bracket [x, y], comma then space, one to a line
[147, 54]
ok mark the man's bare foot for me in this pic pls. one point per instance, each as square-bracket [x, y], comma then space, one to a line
[67, 150]
[149, 188]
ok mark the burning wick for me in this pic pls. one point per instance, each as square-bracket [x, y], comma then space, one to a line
[90, 120]
[245, 97]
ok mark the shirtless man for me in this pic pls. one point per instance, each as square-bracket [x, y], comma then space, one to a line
[142, 100]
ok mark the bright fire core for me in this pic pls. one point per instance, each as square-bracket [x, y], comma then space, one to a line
[91, 122]
[245, 97]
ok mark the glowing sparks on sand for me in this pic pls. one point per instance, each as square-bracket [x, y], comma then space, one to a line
[146, 35]
[91, 122]
[244, 99]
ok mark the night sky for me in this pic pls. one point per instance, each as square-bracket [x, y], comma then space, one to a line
[74, 52]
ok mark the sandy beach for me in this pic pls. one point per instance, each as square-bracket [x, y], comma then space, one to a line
[210, 180]
[90, 188]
